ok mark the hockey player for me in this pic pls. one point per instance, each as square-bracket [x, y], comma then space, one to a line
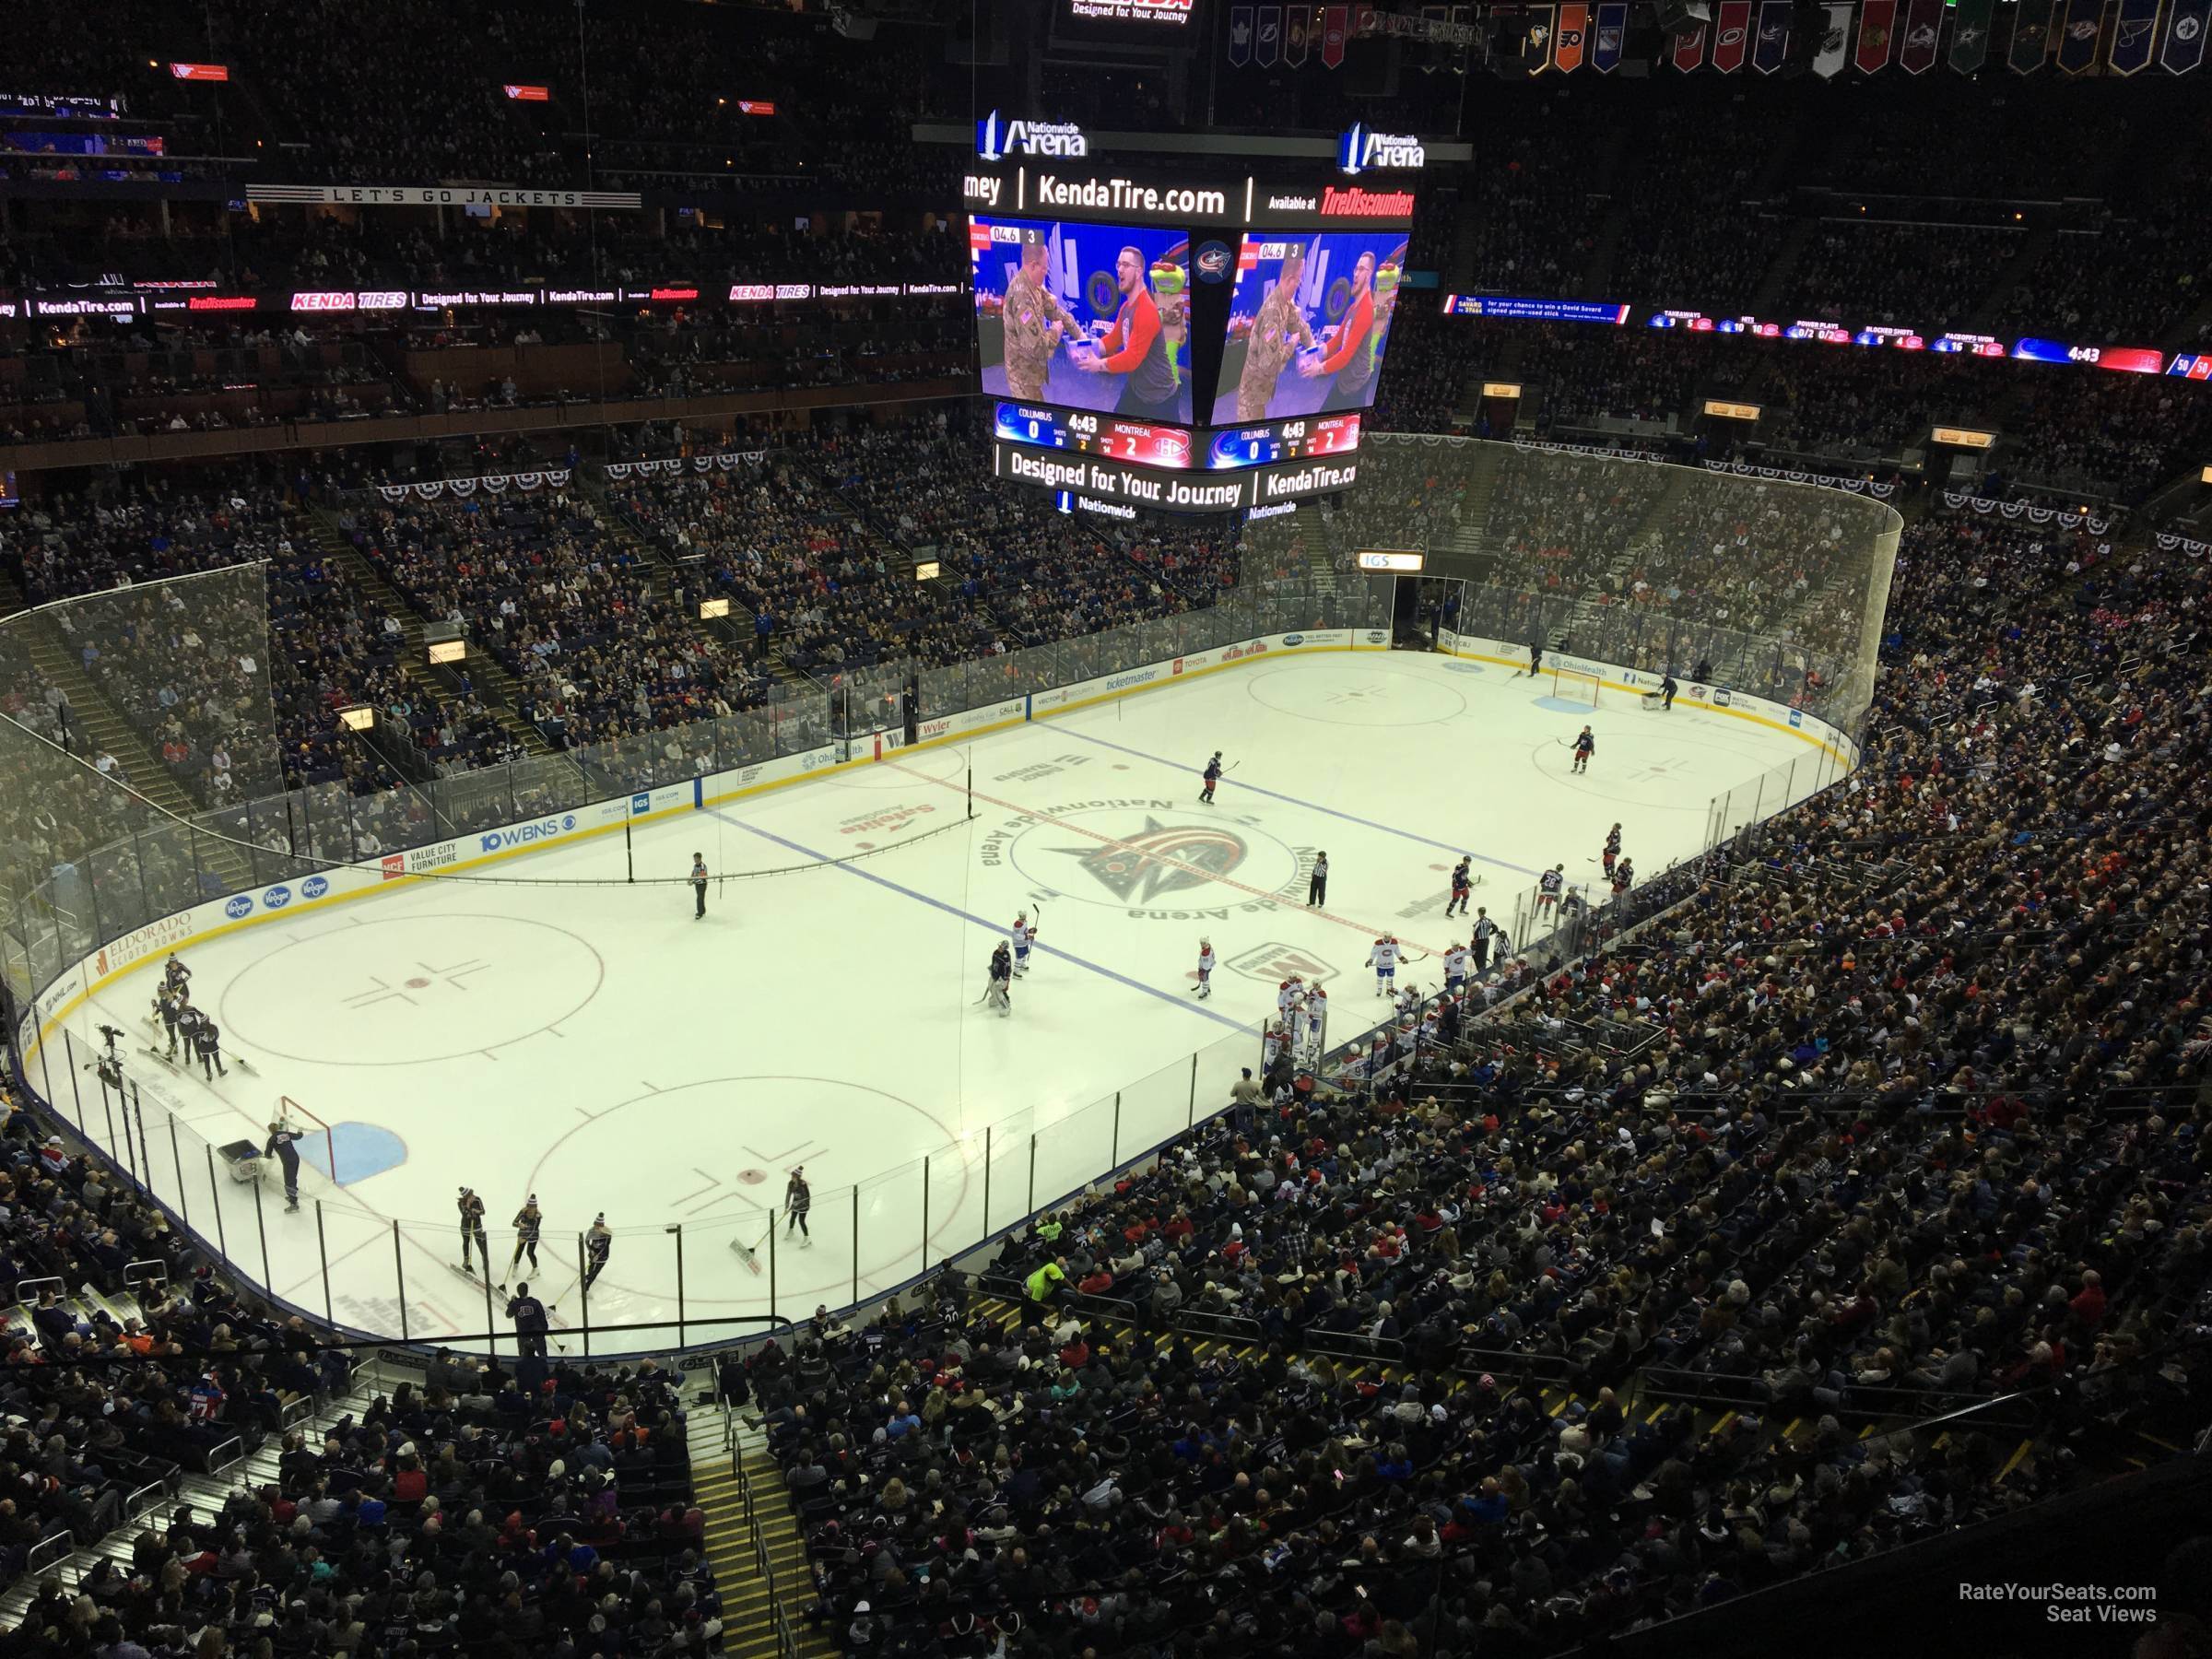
[175, 977]
[1317, 1019]
[598, 1241]
[1549, 886]
[171, 1004]
[189, 1020]
[1001, 980]
[471, 1231]
[1624, 876]
[1462, 884]
[281, 1146]
[1021, 935]
[1383, 960]
[1205, 969]
[1274, 1046]
[1584, 747]
[1291, 1001]
[529, 1223]
[1455, 966]
[208, 1044]
[1213, 777]
[1612, 848]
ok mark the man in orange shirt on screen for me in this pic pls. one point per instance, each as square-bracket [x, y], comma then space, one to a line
[1137, 346]
[1347, 356]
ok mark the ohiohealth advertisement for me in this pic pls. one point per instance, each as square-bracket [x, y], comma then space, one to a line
[1307, 323]
[1087, 316]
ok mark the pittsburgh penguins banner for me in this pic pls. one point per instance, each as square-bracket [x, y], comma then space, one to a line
[2184, 48]
[1688, 49]
[2077, 45]
[1298, 24]
[1924, 26]
[1771, 43]
[1878, 21]
[2031, 32]
[1574, 29]
[1540, 36]
[1731, 35]
[1612, 27]
[1267, 45]
[1969, 35]
[2134, 30]
[1834, 49]
[1336, 23]
[1239, 36]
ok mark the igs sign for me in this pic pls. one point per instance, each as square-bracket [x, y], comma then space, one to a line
[996, 139]
[1360, 149]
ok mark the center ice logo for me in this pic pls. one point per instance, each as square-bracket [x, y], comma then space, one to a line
[1160, 859]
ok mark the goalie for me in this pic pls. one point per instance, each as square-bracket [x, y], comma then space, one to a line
[996, 994]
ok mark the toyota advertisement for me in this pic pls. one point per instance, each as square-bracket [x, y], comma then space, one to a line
[1309, 322]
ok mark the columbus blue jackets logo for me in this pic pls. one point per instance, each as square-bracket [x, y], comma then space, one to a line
[1160, 859]
[1213, 262]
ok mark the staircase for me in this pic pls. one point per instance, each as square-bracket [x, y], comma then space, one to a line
[498, 688]
[740, 635]
[753, 1543]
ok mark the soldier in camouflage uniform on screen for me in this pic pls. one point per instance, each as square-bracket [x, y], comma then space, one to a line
[1277, 332]
[1034, 321]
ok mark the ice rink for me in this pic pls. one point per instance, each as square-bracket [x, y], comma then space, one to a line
[598, 1046]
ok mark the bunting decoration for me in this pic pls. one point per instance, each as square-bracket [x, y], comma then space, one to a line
[2031, 32]
[1731, 35]
[1771, 45]
[1878, 21]
[1969, 35]
[1612, 28]
[1239, 36]
[2077, 45]
[491, 483]
[2133, 28]
[1958, 500]
[1574, 29]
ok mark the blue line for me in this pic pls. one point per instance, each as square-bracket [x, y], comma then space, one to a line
[991, 928]
[1309, 805]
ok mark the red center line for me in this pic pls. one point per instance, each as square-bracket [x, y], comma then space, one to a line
[1371, 931]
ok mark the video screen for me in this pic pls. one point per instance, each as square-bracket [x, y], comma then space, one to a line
[1307, 323]
[1086, 316]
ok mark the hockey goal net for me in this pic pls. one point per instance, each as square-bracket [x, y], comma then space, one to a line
[1572, 685]
[318, 1145]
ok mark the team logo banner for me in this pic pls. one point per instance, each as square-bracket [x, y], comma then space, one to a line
[1923, 27]
[1267, 45]
[1878, 22]
[1336, 22]
[2077, 45]
[1612, 26]
[2132, 32]
[1689, 49]
[1969, 35]
[1298, 26]
[1835, 42]
[1574, 29]
[1239, 36]
[2184, 48]
[1772, 44]
[2032, 32]
[1731, 35]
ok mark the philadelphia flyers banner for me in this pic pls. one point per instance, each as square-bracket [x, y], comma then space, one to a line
[1574, 29]
[1689, 49]
[1731, 35]
[1878, 22]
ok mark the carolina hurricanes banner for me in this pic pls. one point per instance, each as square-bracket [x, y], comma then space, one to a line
[1612, 26]
[1267, 45]
[2134, 30]
[1239, 36]
[1298, 23]
[1770, 45]
[2184, 48]
[2077, 45]
[1335, 20]
[1689, 49]
[2032, 30]
[1574, 29]
[1731, 35]
[1924, 26]
[1876, 21]
[1969, 35]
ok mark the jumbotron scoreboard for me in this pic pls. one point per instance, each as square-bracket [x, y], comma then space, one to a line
[1148, 338]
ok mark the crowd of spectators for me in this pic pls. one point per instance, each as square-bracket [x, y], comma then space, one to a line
[1588, 377]
[1848, 274]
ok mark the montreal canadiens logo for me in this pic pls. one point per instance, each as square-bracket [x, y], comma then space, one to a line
[1160, 859]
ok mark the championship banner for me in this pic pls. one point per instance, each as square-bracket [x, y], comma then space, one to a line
[1731, 35]
[2032, 30]
[1689, 50]
[1771, 45]
[1239, 36]
[2184, 48]
[1574, 29]
[1267, 45]
[1923, 27]
[1612, 27]
[2077, 45]
[2134, 28]
[1336, 23]
[1835, 42]
[1969, 35]
[1878, 20]
[1298, 24]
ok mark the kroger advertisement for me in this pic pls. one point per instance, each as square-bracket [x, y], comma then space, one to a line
[1085, 316]
[1307, 323]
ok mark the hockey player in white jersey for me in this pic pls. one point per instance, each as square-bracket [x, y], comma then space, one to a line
[1271, 1043]
[1455, 967]
[1317, 1019]
[1205, 969]
[1383, 960]
[1289, 1001]
[1021, 935]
